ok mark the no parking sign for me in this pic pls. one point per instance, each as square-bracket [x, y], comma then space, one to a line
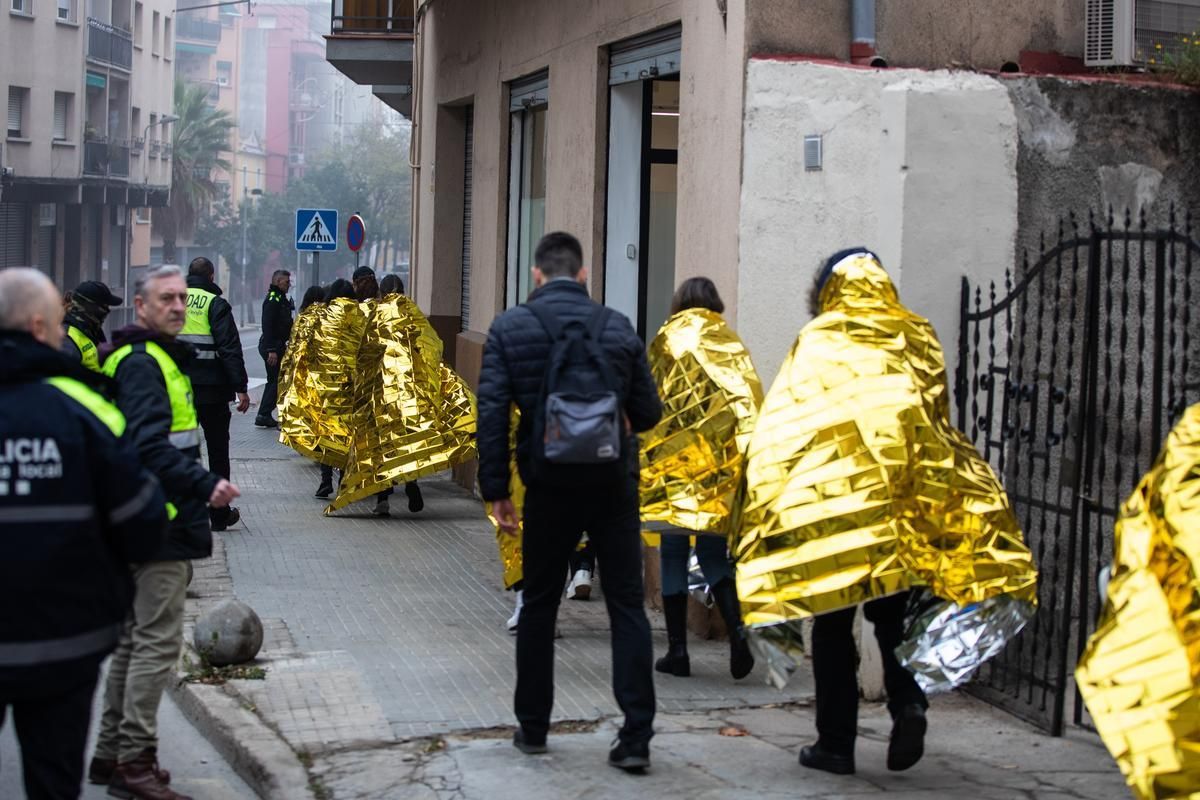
[356, 232]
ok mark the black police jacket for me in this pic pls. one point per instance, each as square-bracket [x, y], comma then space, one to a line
[76, 508]
[216, 377]
[277, 310]
[142, 397]
[514, 363]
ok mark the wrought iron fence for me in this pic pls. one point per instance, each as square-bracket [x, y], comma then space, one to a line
[108, 44]
[373, 16]
[1069, 377]
[197, 29]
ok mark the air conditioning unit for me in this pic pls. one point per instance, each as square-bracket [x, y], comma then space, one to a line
[296, 159]
[1122, 33]
[222, 80]
[1109, 33]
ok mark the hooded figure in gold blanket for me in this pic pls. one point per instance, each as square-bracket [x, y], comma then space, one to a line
[858, 490]
[372, 396]
[1140, 674]
[692, 462]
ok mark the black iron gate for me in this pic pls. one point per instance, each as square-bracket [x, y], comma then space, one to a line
[1069, 378]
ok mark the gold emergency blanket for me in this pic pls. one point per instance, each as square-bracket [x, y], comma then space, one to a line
[692, 462]
[510, 546]
[316, 412]
[858, 486]
[413, 416]
[1140, 674]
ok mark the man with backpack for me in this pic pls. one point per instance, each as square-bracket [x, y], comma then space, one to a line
[578, 373]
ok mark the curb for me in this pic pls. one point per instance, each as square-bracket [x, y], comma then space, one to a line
[255, 752]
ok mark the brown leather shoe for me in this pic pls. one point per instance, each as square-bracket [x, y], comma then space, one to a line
[100, 771]
[141, 778]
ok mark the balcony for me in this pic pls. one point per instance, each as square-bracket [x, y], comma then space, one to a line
[155, 148]
[197, 29]
[109, 45]
[136, 146]
[371, 41]
[105, 159]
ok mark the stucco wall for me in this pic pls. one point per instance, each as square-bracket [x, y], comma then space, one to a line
[918, 165]
[1089, 145]
[920, 33]
[473, 50]
[977, 33]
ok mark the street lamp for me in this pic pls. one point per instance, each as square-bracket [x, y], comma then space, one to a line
[166, 120]
[247, 192]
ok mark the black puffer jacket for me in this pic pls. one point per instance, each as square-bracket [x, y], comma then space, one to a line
[142, 397]
[76, 508]
[214, 380]
[514, 362]
[277, 310]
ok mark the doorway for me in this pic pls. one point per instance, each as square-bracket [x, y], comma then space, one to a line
[643, 156]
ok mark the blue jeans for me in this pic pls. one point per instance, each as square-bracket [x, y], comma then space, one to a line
[711, 552]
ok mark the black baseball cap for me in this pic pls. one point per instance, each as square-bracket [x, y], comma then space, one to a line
[363, 272]
[98, 293]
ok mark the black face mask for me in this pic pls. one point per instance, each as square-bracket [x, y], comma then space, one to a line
[88, 317]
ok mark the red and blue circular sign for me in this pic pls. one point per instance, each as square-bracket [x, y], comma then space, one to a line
[356, 233]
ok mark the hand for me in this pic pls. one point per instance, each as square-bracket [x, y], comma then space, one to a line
[223, 494]
[506, 514]
[272, 359]
[243, 402]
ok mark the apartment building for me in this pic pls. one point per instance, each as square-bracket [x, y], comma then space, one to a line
[87, 146]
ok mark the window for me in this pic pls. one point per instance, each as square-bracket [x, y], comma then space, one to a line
[18, 112]
[528, 106]
[63, 103]
[67, 11]
[22, 7]
[154, 34]
[138, 14]
[166, 40]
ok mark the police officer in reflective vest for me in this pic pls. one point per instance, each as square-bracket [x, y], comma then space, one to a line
[76, 508]
[217, 372]
[155, 395]
[87, 308]
[277, 311]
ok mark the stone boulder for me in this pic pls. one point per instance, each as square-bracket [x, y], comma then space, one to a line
[228, 633]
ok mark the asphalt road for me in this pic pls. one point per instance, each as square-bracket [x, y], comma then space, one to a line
[196, 768]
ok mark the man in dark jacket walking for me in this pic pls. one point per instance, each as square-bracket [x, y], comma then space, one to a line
[217, 372]
[76, 508]
[155, 395]
[514, 364]
[277, 311]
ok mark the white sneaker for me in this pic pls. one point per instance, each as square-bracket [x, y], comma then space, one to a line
[516, 617]
[580, 587]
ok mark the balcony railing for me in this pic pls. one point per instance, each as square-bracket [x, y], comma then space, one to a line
[106, 158]
[110, 45]
[197, 29]
[393, 17]
[155, 148]
[167, 150]
[136, 146]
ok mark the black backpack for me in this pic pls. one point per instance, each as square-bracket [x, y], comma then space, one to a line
[579, 425]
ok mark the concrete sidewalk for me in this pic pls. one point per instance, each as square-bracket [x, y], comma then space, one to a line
[390, 675]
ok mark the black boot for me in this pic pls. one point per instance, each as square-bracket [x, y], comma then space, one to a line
[741, 660]
[675, 662]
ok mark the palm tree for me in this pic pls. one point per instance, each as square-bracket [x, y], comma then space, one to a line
[201, 133]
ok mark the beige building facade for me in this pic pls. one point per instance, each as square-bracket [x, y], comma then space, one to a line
[628, 123]
[89, 90]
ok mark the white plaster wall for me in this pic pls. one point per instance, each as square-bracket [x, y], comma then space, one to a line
[920, 166]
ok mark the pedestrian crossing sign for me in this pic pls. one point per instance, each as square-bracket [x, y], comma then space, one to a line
[316, 229]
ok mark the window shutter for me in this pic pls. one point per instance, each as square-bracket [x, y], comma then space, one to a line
[14, 111]
[60, 115]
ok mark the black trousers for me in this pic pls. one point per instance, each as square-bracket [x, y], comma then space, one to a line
[554, 521]
[835, 668]
[271, 391]
[52, 708]
[214, 420]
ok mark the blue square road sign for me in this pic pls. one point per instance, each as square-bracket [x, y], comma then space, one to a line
[316, 229]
